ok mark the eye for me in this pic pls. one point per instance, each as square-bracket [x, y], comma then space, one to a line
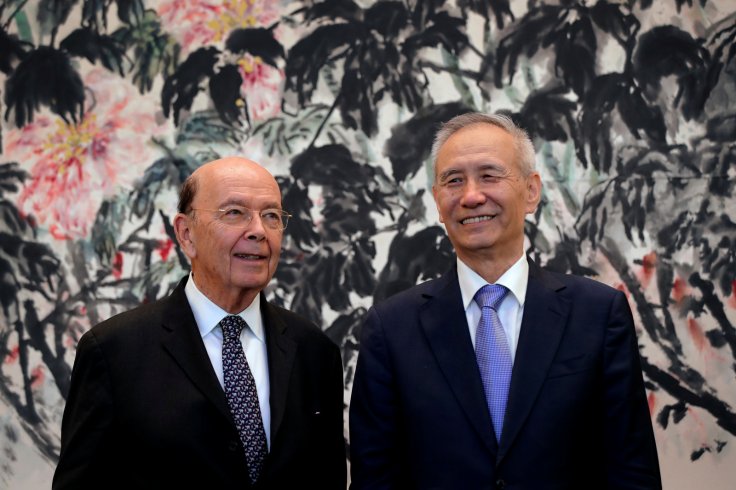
[233, 211]
[491, 177]
[454, 180]
[271, 216]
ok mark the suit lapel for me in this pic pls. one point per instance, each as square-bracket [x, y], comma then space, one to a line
[446, 327]
[545, 316]
[182, 341]
[281, 353]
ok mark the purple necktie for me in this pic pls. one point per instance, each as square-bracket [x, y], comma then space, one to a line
[242, 397]
[493, 354]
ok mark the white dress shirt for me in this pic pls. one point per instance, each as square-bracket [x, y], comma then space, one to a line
[511, 310]
[208, 316]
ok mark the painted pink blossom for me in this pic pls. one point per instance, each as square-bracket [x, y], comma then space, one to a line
[74, 167]
[262, 85]
[196, 23]
[200, 23]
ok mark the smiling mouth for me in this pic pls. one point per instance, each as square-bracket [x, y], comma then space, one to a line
[476, 219]
[250, 256]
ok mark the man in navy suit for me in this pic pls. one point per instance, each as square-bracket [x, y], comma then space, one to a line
[540, 388]
[154, 402]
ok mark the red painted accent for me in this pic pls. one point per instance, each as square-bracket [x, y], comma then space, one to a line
[164, 248]
[117, 265]
[12, 356]
[696, 332]
[679, 289]
[38, 375]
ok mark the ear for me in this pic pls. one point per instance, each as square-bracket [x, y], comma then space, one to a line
[184, 235]
[435, 194]
[533, 192]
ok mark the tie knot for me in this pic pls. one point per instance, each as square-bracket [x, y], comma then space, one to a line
[490, 296]
[232, 325]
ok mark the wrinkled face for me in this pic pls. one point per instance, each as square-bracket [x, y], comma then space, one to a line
[481, 195]
[231, 263]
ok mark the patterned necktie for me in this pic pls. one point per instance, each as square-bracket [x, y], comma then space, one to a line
[493, 354]
[240, 389]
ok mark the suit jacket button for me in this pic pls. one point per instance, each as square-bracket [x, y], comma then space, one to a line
[233, 446]
[500, 484]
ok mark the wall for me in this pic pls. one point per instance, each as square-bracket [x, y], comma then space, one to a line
[108, 106]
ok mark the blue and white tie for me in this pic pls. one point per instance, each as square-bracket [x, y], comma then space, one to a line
[242, 397]
[493, 354]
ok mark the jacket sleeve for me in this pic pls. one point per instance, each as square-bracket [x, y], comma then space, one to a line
[374, 452]
[87, 420]
[631, 453]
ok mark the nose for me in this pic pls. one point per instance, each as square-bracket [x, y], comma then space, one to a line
[255, 229]
[473, 196]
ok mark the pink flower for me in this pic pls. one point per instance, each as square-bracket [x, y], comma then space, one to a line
[262, 84]
[74, 167]
[195, 23]
[198, 23]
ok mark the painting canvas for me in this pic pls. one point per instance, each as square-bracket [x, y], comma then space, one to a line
[108, 105]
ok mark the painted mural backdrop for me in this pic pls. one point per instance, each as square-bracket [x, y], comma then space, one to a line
[107, 106]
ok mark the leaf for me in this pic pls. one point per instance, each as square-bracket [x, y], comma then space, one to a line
[307, 57]
[295, 199]
[525, 38]
[411, 141]
[225, 93]
[387, 18]
[668, 51]
[411, 259]
[595, 118]
[442, 30]
[45, 77]
[258, 42]
[357, 103]
[12, 50]
[154, 51]
[93, 46]
[165, 174]
[613, 20]
[107, 227]
[180, 88]
[129, 9]
[722, 128]
[640, 116]
[500, 8]
[331, 10]
[575, 50]
[328, 165]
[53, 13]
[359, 273]
[94, 13]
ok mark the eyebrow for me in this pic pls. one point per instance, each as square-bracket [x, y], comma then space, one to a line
[233, 201]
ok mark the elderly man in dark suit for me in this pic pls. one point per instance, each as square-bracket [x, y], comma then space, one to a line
[498, 374]
[213, 386]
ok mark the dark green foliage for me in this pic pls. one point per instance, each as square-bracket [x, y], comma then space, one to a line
[95, 47]
[258, 42]
[186, 82]
[225, 93]
[411, 141]
[11, 51]
[44, 78]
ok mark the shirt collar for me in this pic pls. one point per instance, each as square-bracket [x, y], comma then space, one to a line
[515, 279]
[208, 315]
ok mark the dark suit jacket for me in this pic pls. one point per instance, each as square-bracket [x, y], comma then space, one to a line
[145, 409]
[577, 415]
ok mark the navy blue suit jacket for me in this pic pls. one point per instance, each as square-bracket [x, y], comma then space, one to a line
[146, 410]
[577, 415]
